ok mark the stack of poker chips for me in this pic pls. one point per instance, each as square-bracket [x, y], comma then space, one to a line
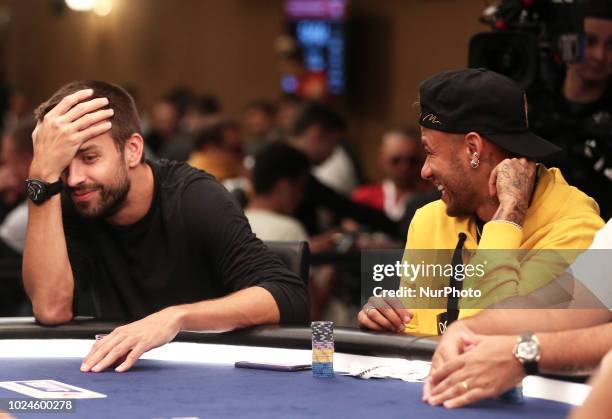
[322, 349]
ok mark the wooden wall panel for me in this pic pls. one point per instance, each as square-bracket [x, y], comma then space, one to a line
[226, 47]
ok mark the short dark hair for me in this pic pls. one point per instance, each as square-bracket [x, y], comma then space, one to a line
[291, 98]
[21, 135]
[207, 104]
[181, 97]
[278, 161]
[315, 113]
[213, 133]
[125, 120]
[261, 105]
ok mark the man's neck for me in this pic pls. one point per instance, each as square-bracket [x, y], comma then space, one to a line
[139, 198]
[264, 202]
[487, 208]
[576, 89]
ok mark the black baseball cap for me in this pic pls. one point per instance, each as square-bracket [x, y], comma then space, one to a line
[481, 100]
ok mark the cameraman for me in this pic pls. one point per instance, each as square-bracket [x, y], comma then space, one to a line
[578, 117]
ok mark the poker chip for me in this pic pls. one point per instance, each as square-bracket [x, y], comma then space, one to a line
[322, 349]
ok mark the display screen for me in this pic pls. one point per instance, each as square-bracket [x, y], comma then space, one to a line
[318, 29]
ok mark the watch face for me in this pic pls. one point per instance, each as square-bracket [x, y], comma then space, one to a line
[527, 350]
[36, 191]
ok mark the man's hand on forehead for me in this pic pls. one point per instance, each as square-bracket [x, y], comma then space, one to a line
[57, 138]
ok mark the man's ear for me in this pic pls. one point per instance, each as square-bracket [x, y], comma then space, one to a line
[473, 144]
[134, 149]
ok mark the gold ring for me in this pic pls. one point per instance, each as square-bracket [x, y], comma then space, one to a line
[464, 385]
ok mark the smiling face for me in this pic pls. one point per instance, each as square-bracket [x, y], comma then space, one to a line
[97, 178]
[445, 167]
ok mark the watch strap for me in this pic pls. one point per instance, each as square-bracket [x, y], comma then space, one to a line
[55, 187]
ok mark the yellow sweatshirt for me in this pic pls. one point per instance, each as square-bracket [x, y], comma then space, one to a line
[560, 217]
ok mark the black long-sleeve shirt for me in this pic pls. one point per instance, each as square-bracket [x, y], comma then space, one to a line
[318, 195]
[193, 244]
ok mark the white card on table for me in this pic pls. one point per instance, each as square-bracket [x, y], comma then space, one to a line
[50, 389]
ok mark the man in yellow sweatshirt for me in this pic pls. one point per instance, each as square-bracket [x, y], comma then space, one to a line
[482, 157]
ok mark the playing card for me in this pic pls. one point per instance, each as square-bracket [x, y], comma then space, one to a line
[50, 389]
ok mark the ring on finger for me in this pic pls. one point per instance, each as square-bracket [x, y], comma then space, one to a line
[368, 308]
[464, 385]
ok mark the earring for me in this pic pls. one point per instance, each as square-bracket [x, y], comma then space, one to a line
[475, 162]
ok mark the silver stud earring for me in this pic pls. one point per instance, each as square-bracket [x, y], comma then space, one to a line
[475, 162]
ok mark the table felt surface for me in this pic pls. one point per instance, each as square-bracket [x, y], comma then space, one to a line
[170, 389]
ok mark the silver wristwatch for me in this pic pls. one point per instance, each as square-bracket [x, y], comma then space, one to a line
[527, 351]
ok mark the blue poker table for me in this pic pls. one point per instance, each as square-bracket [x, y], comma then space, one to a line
[194, 377]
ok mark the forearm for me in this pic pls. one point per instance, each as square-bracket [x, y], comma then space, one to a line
[574, 351]
[557, 294]
[598, 404]
[344, 207]
[247, 307]
[47, 275]
[515, 321]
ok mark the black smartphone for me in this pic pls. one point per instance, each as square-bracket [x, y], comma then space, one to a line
[273, 367]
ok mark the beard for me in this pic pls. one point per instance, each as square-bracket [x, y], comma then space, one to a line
[460, 192]
[111, 199]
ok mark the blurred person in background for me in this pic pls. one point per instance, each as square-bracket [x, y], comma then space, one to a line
[339, 171]
[164, 125]
[145, 121]
[194, 112]
[16, 156]
[279, 180]
[400, 160]
[316, 133]
[12, 189]
[287, 109]
[577, 113]
[259, 125]
[218, 149]
[204, 109]
[17, 109]
[167, 137]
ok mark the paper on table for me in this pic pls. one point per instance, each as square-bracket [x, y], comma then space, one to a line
[412, 371]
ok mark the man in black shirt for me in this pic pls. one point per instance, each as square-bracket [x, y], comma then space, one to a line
[160, 242]
[316, 133]
[577, 113]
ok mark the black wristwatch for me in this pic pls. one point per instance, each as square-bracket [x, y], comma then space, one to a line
[527, 351]
[39, 191]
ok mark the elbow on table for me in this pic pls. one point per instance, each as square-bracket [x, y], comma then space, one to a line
[52, 316]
